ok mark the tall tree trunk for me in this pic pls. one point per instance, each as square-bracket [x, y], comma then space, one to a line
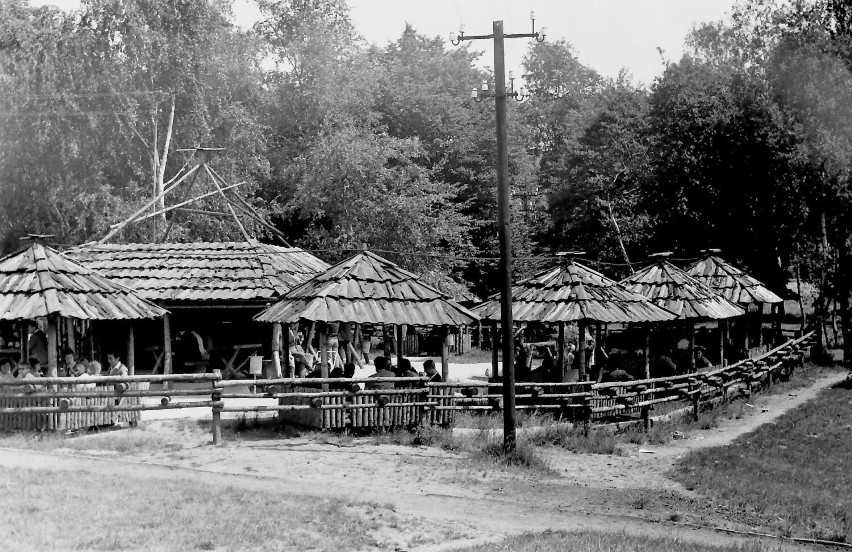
[842, 300]
[159, 169]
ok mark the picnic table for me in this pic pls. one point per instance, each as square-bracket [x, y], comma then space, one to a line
[235, 359]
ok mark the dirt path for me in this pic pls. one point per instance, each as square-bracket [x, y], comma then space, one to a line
[459, 499]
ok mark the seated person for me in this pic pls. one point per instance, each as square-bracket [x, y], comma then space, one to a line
[94, 368]
[6, 369]
[30, 370]
[547, 371]
[701, 361]
[664, 366]
[404, 370]
[382, 371]
[432, 372]
[72, 367]
[349, 370]
[336, 373]
[618, 374]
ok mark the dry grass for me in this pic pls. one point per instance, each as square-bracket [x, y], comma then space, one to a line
[792, 476]
[590, 541]
[85, 511]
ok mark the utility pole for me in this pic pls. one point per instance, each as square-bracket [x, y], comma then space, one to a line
[504, 226]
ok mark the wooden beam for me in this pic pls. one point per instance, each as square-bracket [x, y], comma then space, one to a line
[167, 348]
[276, 349]
[648, 352]
[323, 336]
[692, 346]
[560, 351]
[228, 204]
[581, 350]
[445, 354]
[52, 346]
[131, 350]
[400, 343]
[495, 355]
[132, 218]
[187, 202]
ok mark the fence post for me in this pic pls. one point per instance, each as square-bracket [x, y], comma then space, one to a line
[587, 415]
[695, 395]
[216, 397]
[646, 418]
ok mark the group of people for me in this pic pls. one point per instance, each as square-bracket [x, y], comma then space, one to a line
[71, 366]
[384, 369]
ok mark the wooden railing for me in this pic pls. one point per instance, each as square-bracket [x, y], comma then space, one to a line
[332, 403]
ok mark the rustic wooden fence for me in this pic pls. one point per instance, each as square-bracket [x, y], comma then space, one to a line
[333, 403]
[64, 403]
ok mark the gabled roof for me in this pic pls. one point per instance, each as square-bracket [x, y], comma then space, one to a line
[571, 293]
[731, 282]
[673, 289]
[39, 281]
[367, 289]
[207, 272]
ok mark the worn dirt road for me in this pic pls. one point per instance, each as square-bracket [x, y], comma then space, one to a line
[461, 501]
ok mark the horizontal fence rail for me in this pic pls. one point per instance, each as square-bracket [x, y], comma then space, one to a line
[62, 403]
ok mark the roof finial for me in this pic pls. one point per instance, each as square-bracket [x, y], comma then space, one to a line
[39, 238]
[569, 255]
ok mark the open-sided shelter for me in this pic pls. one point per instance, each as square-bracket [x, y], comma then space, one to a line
[736, 286]
[673, 289]
[368, 289]
[40, 282]
[213, 289]
[574, 293]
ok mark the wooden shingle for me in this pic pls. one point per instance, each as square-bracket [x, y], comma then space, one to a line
[367, 289]
[40, 281]
[572, 293]
[731, 282]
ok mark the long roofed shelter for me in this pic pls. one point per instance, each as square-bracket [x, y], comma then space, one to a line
[672, 288]
[574, 293]
[368, 289]
[39, 282]
[212, 288]
[736, 286]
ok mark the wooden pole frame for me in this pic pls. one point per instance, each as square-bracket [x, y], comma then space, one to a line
[167, 348]
[131, 350]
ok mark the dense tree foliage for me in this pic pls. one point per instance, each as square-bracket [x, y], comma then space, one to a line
[742, 144]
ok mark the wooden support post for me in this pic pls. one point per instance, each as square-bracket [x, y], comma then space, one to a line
[71, 337]
[691, 346]
[560, 351]
[323, 336]
[587, 415]
[759, 317]
[276, 349]
[309, 339]
[479, 335]
[495, 355]
[216, 425]
[696, 399]
[581, 350]
[131, 350]
[52, 346]
[400, 343]
[721, 325]
[648, 352]
[167, 348]
[646, 418]
[445, 354]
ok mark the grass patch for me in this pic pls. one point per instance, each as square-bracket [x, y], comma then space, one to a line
[591, 541]
[792, 476]
[85, 511]
[472, 356]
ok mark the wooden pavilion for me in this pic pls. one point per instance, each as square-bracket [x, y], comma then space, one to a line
[39, 282]
[736, 286]
[213, 289]
[574, 293]
[673, 289]
[368, 289]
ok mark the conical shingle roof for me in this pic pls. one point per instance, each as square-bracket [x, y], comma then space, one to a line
[731, 282]
[675, 290]
[205, 273]
[40, 281]
[367, 289]
[571, 293]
